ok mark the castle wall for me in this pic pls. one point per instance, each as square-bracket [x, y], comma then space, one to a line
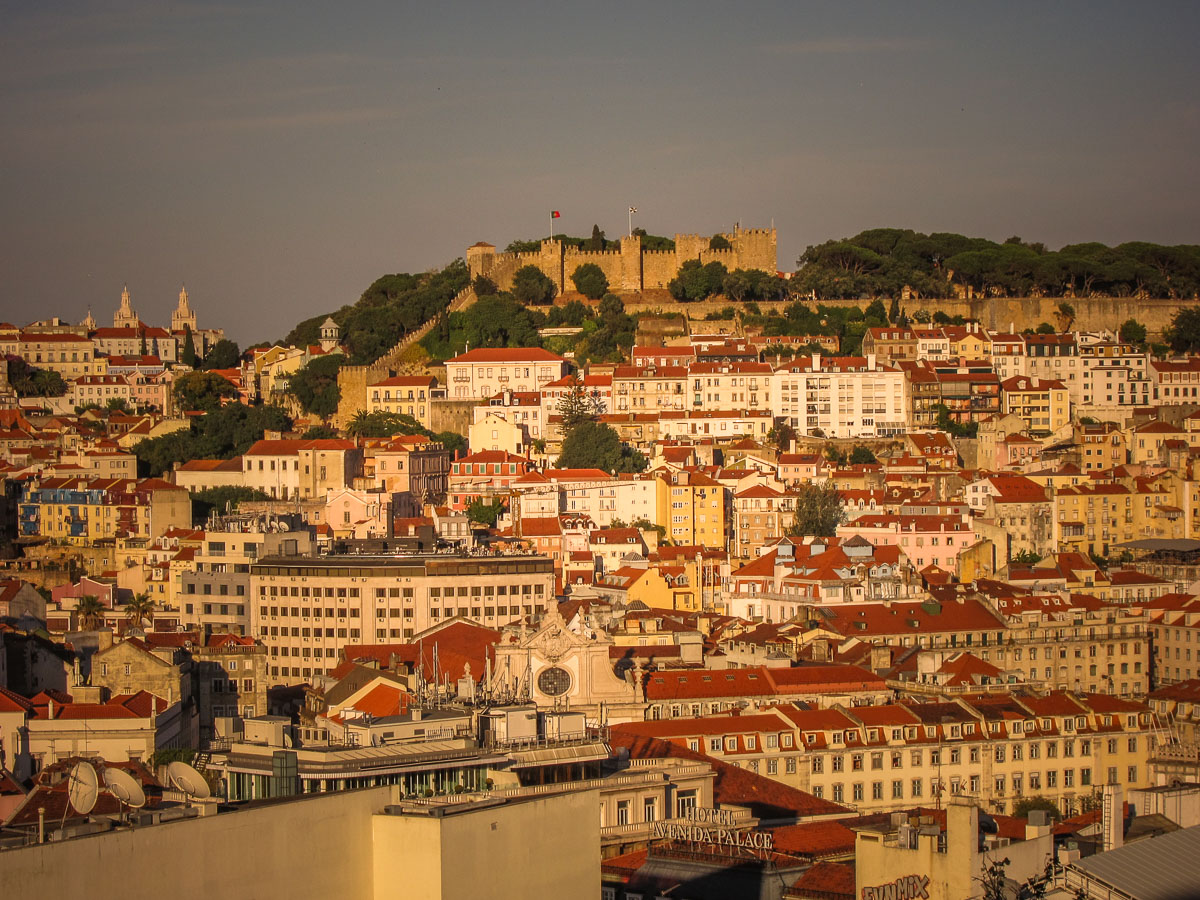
[628, 268]
[658, 268]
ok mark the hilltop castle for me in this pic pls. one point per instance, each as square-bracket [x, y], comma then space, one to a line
[629, 268]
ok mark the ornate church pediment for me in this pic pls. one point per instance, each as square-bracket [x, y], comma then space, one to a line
[554, 641]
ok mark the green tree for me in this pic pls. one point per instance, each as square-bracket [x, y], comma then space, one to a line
[117, 404]
[590, 281]
[484, 286]
[1132, 332]
[781, 435]
[220, 433]
[140, 609]
[861, 455]
[1045, 328]
[188, 355]
[818, 510]
[876, 313]
[382, 424]
[719, 242]
[596, 242]
[594, 445]
[499, 321]
[577, 406]
[29, 381]
[946, 423]
[89, 612]
[697, 282]
[484, 512]
[452, 441]
[1183, 334]
[894, 313]
[531, 287]
[1026, 558]
[315, 386]
[745, 285]
[1028, 804]
[573, 314]
[223, 355]
[320, 432]
[202, 391]
[225, 498]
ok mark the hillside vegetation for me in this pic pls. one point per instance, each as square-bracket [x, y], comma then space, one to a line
[389, 309]
[882, 261]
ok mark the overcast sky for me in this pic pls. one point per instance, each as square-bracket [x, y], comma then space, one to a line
[277, 161]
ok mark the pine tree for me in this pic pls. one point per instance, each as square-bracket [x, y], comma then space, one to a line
[188, 356]
[577, 407]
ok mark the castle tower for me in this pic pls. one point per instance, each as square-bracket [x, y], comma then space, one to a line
[183, 317]
[90, 322]
[126, 316]
[331, 334]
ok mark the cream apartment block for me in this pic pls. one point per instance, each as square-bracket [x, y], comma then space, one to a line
[307, 609]
[70, 355]
[602, 498]
[650, 388]
[483, 373]
[841, 396]
[716, 423]
[730, 385]
[406, 395]
[300, 469]
[996, 749]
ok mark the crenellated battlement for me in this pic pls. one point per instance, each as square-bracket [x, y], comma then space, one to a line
[629, 267]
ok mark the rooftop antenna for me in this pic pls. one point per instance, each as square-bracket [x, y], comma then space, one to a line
[125, 788]
[188, 781]
[82, 789]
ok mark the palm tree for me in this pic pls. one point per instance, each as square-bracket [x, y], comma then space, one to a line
[89, 612]
[140, 609]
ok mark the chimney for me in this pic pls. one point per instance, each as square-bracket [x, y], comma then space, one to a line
[871, 362]
[816, 362]
[104, 639]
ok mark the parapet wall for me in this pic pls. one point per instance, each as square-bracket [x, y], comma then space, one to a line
[630, 267]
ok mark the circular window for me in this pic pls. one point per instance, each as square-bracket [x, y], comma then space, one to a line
[554, 681]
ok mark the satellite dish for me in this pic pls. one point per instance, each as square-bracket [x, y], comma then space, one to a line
[287, 741]
[82, 787]
[186, 779]
[284, 527]
[125, 788]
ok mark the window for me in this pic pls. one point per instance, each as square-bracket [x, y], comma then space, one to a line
[685, 802]
[858, 791]
[650, 809]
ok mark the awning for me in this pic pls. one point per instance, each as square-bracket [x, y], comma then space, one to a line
[549, 756]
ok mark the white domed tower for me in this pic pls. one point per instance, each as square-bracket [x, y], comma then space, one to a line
[126, 316]
[183, 317]
[90, 322]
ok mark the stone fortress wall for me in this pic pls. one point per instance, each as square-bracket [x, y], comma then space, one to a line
[629, 267]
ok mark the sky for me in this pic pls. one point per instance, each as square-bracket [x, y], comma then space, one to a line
[277, 157]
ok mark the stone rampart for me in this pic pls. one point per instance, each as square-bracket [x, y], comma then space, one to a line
[629, 267]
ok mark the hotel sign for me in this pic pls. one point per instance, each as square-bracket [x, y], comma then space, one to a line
[908, 887]
[712, 826]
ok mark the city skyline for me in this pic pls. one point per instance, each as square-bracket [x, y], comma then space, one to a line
[277, 165]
